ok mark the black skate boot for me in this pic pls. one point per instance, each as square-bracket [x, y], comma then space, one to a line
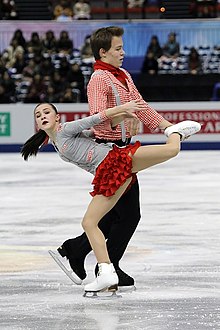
[77, 265]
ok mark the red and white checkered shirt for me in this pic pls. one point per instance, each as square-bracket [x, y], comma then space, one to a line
[102, 97]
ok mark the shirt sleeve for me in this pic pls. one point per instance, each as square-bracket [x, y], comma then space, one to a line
[98, 99]
[149, 117]
[77, 126]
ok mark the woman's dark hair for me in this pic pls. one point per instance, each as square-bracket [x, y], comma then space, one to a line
[36, 141]
[102, 38]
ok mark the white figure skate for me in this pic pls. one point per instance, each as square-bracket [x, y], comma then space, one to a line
[184, 128]
[106, 281]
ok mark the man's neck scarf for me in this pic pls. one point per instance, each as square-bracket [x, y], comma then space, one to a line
[117, 72]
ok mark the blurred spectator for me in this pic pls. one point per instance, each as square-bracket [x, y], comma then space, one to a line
[135, 3]
[29, 70]
[203, 8]
[34, 45]
[194, 62]
[86, 51]
[76, 79]
[150, 64]
[8, 84]
[37, 86]
[64, 68]
[19, 62]
[68, 96]
[37, 60]
[3, 97]
[46, 68]
[57, 84]
[50, 95]
[18, 35]
[32, 96]
[9, 54]
[171, 48]
[49, 43]
[63, 11]
[155, 48]
[2, 66]
[64, 44]
[81, 10]
[8, 10]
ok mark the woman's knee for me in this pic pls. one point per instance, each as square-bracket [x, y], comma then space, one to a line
[85, 224]
[173, 151]
[88, 224]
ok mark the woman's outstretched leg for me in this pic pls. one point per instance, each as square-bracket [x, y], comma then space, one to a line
[147, 156]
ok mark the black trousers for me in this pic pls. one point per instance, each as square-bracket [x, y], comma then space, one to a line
[118, 226]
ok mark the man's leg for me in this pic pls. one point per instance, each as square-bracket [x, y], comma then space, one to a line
[128, 211]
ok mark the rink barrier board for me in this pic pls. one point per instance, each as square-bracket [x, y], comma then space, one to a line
[17, 123]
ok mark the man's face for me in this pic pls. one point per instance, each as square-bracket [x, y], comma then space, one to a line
[115, 54]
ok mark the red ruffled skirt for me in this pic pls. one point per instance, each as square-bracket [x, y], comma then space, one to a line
[114, 170]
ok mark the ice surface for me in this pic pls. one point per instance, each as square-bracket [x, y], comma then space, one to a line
[174, 255]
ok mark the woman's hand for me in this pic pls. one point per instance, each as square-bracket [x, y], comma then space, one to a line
[134, 106]
[133, 125]
[125, 111]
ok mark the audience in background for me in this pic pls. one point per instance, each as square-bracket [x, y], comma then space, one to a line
[29, 70]
[81, 10]
[194, 61]
[19, 62]
[67, 10]
[2, 65]
[135, 3]
[64, 44]
[150, 64]
[50, 96]
[154, 47]
[21, 41]
[8, 10]
[8, 85]
[49, 69]
[204, 8]
[34, 45]
[10, 53]
[32, 95]
[46, 68]
[49, 43]
[68, 96]
[76, 79]
[171, 49]
[63, 11]
[86, 51]
[3, 97]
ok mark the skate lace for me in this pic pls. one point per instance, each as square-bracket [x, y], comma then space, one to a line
[99, 270]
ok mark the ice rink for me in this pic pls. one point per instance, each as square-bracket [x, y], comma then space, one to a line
[174, 255]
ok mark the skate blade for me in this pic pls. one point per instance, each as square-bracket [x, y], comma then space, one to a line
[106, 293]
[70, 274]
[127, 289]
[102, 295]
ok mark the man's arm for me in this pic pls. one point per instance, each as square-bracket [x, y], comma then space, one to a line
[164, 124]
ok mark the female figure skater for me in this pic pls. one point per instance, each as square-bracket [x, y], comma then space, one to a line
[114, 167]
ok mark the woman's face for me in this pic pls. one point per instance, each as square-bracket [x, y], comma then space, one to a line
[46, 117]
